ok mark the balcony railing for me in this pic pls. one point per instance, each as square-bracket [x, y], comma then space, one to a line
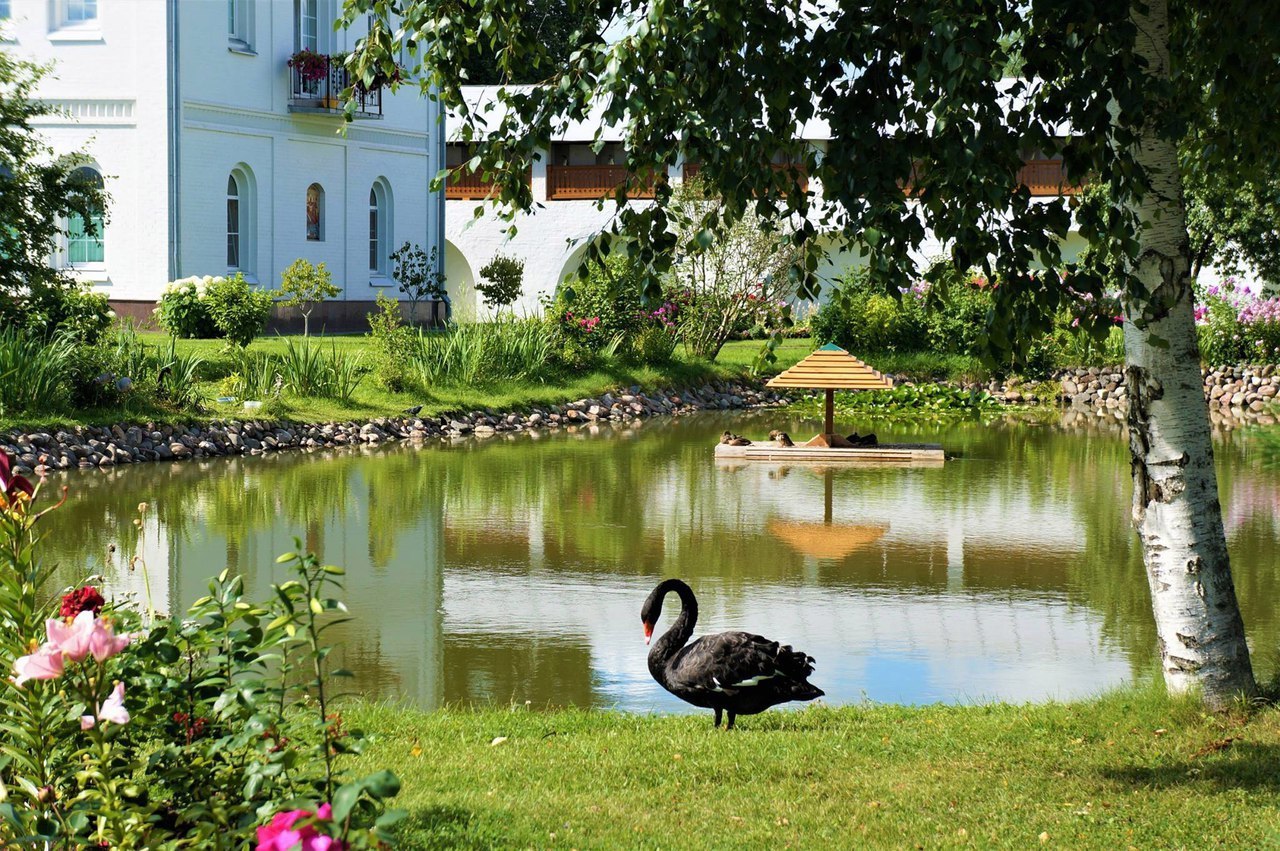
[592, 182]
[462, 184]
[1046, 177]
[1041, 177]
[324, 95]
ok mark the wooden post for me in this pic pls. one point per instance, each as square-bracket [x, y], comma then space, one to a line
[830, 427]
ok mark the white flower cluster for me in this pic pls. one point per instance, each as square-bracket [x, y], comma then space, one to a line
[195, 283]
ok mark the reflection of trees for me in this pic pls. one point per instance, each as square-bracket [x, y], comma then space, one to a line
[650, 502]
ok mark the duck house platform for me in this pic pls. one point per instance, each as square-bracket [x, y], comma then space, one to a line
[904, 454]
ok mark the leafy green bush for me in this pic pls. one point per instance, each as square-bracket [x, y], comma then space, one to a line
[609, 293]
[79, 312]
[1221, 338]
[862, 320]
[183, 311]
[395, 345]
[239, 311]
[132, 730]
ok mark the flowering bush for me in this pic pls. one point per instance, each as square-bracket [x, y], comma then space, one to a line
[1236, 324]
[183, 311]
[128, 731]
[239, 311]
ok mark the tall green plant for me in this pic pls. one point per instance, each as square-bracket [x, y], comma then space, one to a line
[34, 372]
[417, 275]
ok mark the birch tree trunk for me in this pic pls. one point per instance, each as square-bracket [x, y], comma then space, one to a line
[1175, 491]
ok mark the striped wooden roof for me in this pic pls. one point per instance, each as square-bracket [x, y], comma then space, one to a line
[832, 367]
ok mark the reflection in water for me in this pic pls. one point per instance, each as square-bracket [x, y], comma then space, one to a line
[513, 569]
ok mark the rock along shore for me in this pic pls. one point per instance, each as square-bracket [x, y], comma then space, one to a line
[84, 447]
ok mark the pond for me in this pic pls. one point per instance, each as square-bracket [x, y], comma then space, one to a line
[513, 569]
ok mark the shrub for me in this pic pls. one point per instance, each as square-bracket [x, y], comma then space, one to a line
[303, 286]
[605, 301]
[212, 729]
[1220, 332]
[239, 311]
[394, 344]
[81, 313]
[861, 320]
[502, 280]
[1260, 329]
[183, 311]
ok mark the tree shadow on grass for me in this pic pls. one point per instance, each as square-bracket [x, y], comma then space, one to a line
[1236, 765]
[450, 827]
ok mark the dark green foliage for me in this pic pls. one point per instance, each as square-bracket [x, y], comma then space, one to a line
[238, 310]
[558, 27]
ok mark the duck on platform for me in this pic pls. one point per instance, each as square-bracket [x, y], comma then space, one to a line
[781, 438]
[734, 672]
[731, 439]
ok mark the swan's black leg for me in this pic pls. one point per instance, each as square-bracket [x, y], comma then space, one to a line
[717, 717]
[729, 726]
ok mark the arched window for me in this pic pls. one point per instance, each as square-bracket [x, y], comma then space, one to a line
[85, 241]
[240, 220]
[315, 213]
[233, 222]
[379, 227]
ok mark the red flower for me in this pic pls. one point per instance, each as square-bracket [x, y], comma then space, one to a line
[86, 599]
[13, 485]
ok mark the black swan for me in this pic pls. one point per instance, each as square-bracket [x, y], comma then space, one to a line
[734, 672]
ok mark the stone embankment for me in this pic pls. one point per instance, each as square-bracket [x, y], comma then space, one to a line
[1233, 392]
[83, 447]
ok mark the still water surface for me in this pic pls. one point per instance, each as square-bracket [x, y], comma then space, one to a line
[513, 569]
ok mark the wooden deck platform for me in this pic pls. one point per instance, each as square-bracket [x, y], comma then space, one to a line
[904, 454]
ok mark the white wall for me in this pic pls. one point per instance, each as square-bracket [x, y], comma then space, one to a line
[115, 79]
[235, 109]
[111, 79]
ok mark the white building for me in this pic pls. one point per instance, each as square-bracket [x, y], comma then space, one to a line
[567, 182]
[218, 157]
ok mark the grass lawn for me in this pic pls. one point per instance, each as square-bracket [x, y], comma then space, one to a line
[370, 400]
[1128, 770]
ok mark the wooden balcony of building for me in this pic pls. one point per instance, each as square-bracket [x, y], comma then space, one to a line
[593, 182]
[463, 184]
[1046, 177]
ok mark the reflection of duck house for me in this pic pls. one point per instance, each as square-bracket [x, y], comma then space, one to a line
[831, 368]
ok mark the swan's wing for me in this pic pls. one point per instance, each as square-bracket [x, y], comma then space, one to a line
[731, 661]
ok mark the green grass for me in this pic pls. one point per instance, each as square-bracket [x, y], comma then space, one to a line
[1125, 770]
[371, 400]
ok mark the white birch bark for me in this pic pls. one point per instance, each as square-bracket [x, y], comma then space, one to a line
[1175, 491]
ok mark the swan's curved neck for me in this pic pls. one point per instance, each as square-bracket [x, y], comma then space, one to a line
[678, 635]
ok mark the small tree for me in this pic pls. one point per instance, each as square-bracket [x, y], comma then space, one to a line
[503, 279]
[416, 274]
[304, 286]
[738, 281]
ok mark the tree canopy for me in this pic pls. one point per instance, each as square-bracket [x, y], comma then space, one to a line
[558, 25]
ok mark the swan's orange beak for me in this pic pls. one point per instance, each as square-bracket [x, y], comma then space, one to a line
[648, 632]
